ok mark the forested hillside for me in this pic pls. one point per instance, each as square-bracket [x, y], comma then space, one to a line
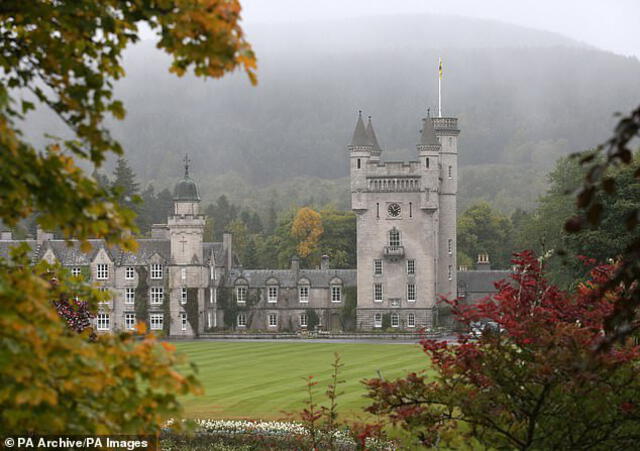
[523, 97]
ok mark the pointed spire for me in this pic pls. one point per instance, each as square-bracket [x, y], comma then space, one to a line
[428, 137]
[371, 135]
[186, 165]
[360, 137]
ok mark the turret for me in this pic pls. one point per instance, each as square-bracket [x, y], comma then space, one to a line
[429, 158]
[186, 225]
[446, 129]
[360, 152]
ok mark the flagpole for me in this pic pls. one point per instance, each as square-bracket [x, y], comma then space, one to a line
[439, 87]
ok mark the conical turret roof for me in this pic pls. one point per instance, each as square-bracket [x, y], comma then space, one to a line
[428, 137]
[360, 137]
[371, 135]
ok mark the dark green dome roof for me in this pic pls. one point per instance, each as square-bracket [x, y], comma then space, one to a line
[186, 190]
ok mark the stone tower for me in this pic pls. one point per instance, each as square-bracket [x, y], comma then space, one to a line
[406, 226]
[187, 268]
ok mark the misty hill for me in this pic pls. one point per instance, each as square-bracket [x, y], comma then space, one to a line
[523, 97]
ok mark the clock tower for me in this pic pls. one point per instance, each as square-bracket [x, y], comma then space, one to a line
[406, 226]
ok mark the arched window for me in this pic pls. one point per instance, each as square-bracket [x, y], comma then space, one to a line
[377, 320]
[394, 238]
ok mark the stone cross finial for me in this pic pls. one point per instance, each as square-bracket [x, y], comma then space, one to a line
[186, 165]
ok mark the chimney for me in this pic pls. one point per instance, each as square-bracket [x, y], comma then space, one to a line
[160, 231]
[42, 236]
[295, 263]
[227, 248]
[483, 263]
[324, 262]
[6, 235]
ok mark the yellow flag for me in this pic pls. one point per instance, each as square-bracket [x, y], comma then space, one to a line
[440, 70]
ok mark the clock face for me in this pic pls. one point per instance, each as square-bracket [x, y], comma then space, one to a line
[394, 210]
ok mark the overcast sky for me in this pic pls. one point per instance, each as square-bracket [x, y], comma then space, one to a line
[608, 24]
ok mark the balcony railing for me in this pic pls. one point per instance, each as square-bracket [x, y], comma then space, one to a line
[394, 251]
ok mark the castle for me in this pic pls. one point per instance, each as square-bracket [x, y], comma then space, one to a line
[406, 257]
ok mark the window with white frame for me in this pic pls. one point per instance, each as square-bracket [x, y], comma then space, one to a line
[304, 320]
[411, 320]
[272, 320]
[303, 293]
[377, 292]
[377, 267]
[156, 321]
[411, 266]
[102, 321]
[102, 271]
[241, 320]
[272, 294]
[241, 294]
[395, 320]
[450, 246]
[129, 295]
[450, 272]
[336, 293]
[156, 294]
[411, 292]
[129, 273]
[394, 238]
[129, 321]
[75, 271]
[209, 319]
[156, 271]
[377, 320]
[183, 273]
[183, 295]
[183, 321]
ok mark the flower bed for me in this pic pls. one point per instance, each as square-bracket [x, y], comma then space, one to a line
[254, 435]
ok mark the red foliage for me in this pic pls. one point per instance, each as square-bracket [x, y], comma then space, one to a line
[509, 383]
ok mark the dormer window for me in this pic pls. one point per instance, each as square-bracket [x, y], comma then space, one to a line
[75, 271]
[303, 291]
[272, 291]
[156, 271]
[102, 271]
[336, 290]
[241, 294]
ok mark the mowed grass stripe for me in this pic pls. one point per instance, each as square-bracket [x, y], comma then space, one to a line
[260, 380]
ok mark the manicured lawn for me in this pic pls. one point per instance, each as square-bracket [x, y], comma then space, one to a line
[261, 380]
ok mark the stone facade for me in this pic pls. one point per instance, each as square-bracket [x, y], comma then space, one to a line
[406, 225]
[406, 257]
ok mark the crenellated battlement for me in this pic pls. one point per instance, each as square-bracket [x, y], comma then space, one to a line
[446, 125]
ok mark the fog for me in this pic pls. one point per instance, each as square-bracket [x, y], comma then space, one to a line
[611, 25]
[524, 95]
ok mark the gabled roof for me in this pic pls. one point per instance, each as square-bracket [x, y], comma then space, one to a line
[360, 137]
[147, 248]
[479, 281]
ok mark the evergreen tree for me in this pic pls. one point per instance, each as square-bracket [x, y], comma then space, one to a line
[124, 179]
